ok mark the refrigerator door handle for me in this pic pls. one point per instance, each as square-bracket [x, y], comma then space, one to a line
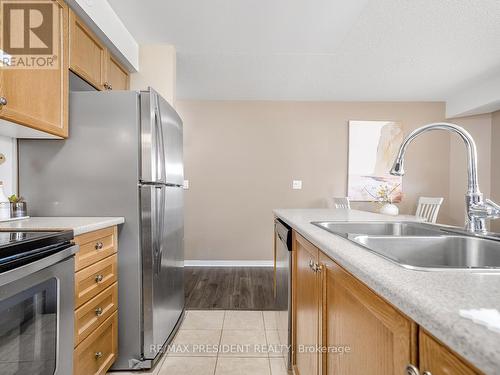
[159, 216]
[161, 225]
[161, 172]
[154, 228]
[156, 148]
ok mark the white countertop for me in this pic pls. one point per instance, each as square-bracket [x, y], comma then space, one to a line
[431, 299]
[79, 225]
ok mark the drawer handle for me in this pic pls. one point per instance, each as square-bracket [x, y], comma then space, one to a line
[99, 278]
[99, 245]
[98, 311]
[3, 101]
[98, 355]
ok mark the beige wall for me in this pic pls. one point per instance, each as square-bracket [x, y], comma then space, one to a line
[480, 128]
[241, 157]
[157, 68]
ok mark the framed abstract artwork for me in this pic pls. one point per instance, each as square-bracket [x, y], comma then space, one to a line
[373, 146]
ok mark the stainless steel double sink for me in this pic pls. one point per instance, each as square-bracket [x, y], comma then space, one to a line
[421, 246]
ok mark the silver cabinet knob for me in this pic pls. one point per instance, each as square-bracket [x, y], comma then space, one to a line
[98, 355]
[3, 101]
[99, 245]
[98, 311]
[99, 278]
[427, 373]
[411, 370]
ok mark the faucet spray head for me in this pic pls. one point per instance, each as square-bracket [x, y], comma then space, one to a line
[398, 167]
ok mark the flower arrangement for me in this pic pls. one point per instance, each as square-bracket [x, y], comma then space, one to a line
[384, 194]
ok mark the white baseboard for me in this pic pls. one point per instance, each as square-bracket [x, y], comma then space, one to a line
[228, 263]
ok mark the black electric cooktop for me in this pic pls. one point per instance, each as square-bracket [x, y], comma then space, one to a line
[20, 248]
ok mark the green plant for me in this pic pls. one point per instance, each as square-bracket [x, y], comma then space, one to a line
[15, 199]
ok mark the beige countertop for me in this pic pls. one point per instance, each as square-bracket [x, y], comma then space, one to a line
[79, 225]
[431, 299]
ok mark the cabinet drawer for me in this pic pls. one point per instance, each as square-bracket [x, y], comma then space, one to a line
[95, 246]
[92, 280]
[90, 315]
[96, 354]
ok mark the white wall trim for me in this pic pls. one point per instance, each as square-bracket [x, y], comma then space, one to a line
[228, 263]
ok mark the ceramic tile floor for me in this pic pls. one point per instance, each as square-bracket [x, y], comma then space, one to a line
[247, 341]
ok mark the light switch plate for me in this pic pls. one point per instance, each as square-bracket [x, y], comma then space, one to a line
[185, 184]
[297, 184]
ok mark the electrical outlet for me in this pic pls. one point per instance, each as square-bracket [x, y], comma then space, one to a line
[185, 185]
[297, 184]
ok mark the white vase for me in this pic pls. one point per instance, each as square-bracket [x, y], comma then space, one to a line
[389, 209]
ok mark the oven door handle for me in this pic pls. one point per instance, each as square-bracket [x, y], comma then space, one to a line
[28, 269]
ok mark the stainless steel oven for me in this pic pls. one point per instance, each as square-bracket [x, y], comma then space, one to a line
[36, 312]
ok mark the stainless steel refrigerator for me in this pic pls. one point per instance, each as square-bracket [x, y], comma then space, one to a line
[123, 158]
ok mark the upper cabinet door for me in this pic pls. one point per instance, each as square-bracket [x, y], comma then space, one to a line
[38, 98]
[87, 53]
[117, 77]
[381, 340]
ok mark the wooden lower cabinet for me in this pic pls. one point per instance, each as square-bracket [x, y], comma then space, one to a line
[437, 359]
[96, 354]
[92, 280]
[363, 333]
[306, 316]
[96, 302]
[355, 330]
[95, 246]
[93, 313]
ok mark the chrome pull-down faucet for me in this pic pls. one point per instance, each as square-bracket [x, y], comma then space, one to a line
[477, 209]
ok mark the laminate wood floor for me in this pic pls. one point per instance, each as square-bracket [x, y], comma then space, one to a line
[227, 288]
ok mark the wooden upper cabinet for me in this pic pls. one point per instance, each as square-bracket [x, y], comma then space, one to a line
[306, 307]
[380, 340]
[38, 98]
[87, 54]
[436, 359]
[92, 61]
[117, 78]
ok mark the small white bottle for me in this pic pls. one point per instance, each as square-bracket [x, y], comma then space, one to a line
[4, 204]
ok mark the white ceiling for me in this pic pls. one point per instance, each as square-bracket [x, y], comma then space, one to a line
[321, 49]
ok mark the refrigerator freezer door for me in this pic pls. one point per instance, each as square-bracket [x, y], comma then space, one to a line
[152, 164]
[161, 134]
[163, 263]
[172, 132]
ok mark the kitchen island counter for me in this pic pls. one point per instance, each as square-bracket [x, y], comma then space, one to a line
[431, 299]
